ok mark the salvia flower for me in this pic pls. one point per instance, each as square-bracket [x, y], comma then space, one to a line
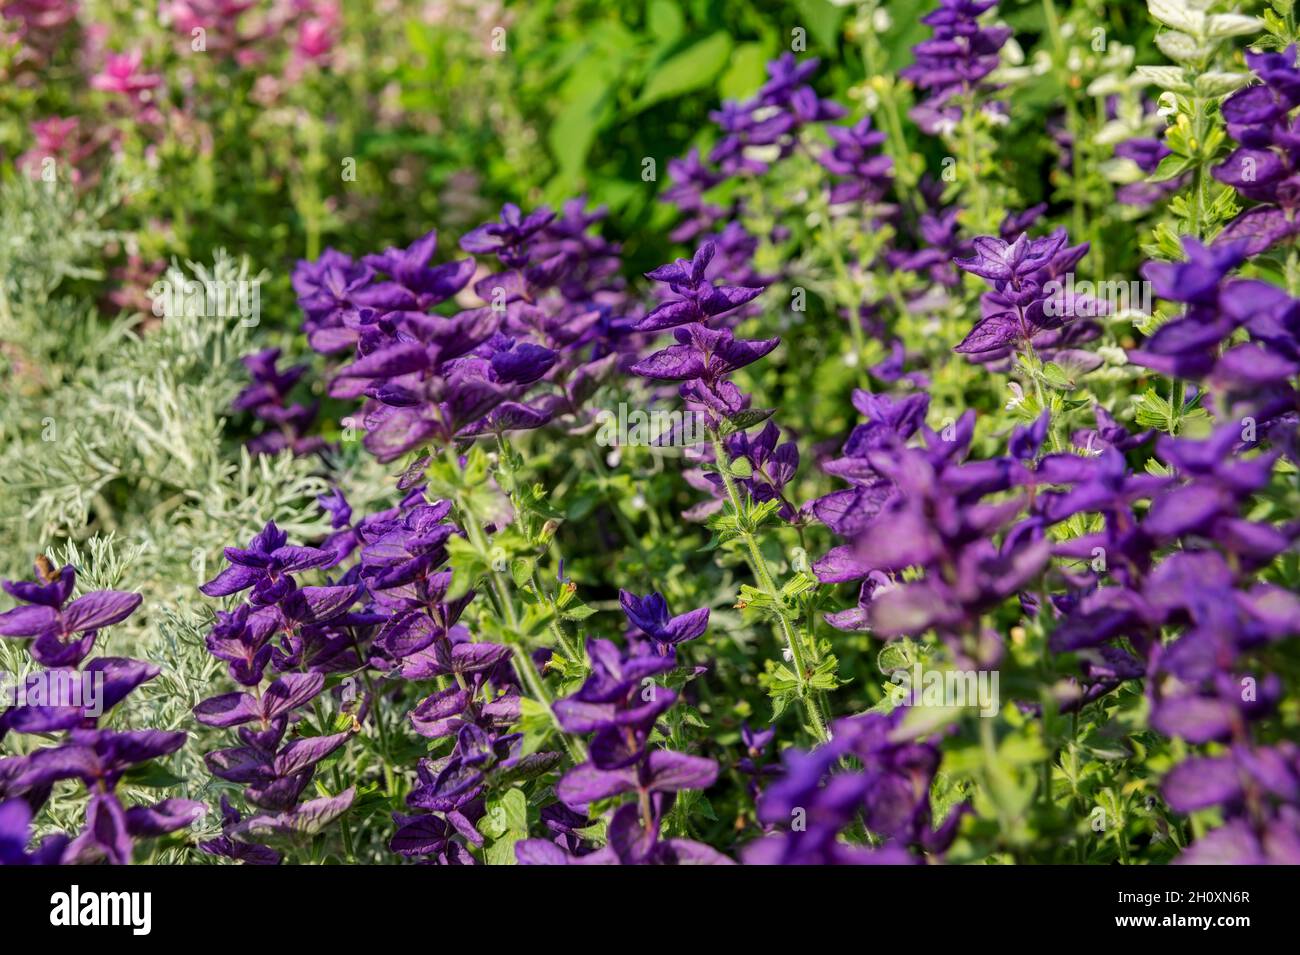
[278, 648]
[96, 757]
[62, 633]
[865, 174]
[955, 62]
[267, 400]
[1264, 166]
[1028, 304]
[620, 703]
[650, 615]
[816, 802]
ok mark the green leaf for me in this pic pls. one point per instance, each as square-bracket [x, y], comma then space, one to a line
[692, 69]
[521, 572]
[746, 73]
[151, 776]
[797, 585]
[515, 804]
[578, 611]
[502, 851]
[1152, 411]
[823, 19]
[664, 21]
[741, 468]
[466, 567]
[1171, 167]
[1056, 377]
[895, 656]
[1166, 77]
[581, 115]
[744, 420]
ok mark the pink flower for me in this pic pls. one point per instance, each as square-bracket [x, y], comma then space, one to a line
[62, 140]
[40, 14]
[218, 19]
[315, 39]
[317, 34]
[38, 26]
[121, 74]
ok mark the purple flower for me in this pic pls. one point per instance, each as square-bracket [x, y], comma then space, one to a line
[264, 566]
[815, 800]
[63, 634]
[510, 238]
[326, 290]
[650, 615]
[1196, 280]
[784, 105]
[1263, 167]
[954, 62]
[1027, 301]
[409, 268]
[697, 298]
[15, 834]
[621, 702]
[690, 180]
[267, 400]
[855, 157]
[96, 757]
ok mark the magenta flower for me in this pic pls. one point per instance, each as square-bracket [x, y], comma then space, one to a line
[122, 74]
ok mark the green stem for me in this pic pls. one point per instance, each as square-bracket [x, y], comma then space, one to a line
[1042, 398]
[390, 781]
[814, 704]
[1072, 119]
[570, 650]
[1176, 391]
[844, 280]
[526, 670]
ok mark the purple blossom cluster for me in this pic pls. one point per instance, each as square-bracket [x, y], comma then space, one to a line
[925, 508]
[702, 358]
[863, 173]
[1248, 376]
[1265, 167]
[536, 351]
[1189, 563]
[267, 399]
[620, 702]
[815, 800]
[476, 706]
[951, 69]
[1028, 308]
[71, 698]
[954, 63]
[1178, 550]
[1144, 566]
[770, 122]
[278, 646]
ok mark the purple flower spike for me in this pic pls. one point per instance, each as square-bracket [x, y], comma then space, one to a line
[698, 298]
[620, 702]
[1028, 302]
